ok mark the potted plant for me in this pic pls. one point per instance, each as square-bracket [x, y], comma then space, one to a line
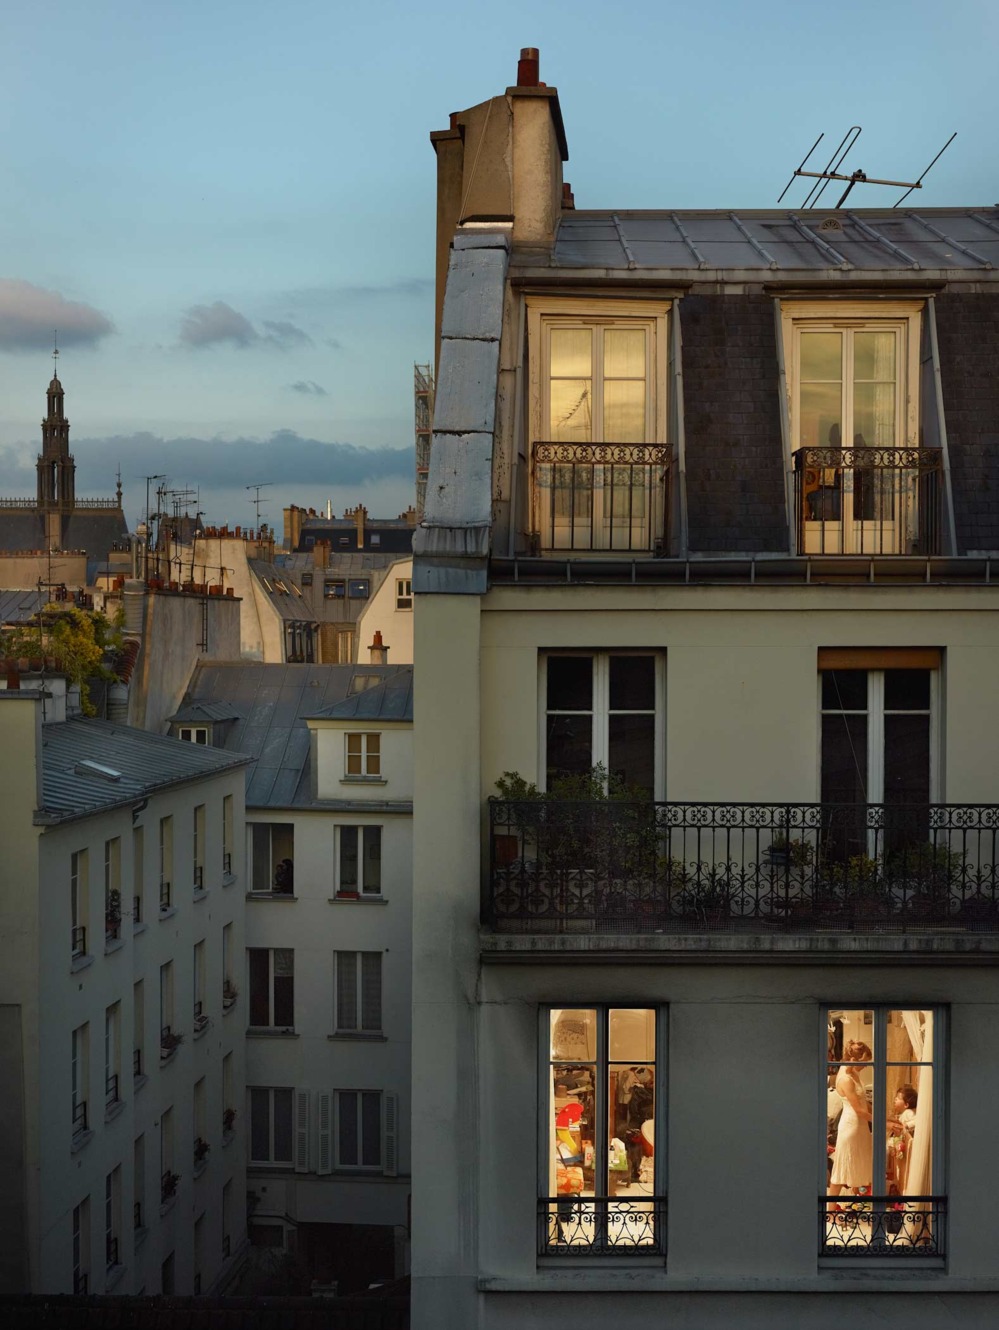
[228, 1119]
[112, 913]
[229, 993]
[170, 1041]
[168, 1185]
[201, 1148]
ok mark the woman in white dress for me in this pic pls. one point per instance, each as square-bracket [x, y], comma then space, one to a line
[852, 1162]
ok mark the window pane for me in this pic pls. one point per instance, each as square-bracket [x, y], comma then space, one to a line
[873, 356]
[849, 1083]
[874, 415]
[624, 411]
[571, 353]
[347, 1128]
[632, 683]
[261, 834]
[571, 414]
[631, 746]
[260, 1124]
[348, 858]
[844, 690]
[284, 987]
[844, 785]
[630, 1127]
[371, 1129]
[632, 1035]
[821, 356]
[374, 754]
[624, 353]
[373, 859]
[907, 690]
[573, 1035]
[371, 990]
[570, 683]
[820, 416]
[260, 1008]
[570, 745]
[572, 1153]
[282, 1125]
[346, 990]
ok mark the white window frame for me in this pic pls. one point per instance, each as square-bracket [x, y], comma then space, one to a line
[366, 832]
[195, 734]
[601, 710]
[368, 755]
[270, 1091]
[271, 976]
[357, 1166]
[364, 1023]
[404, 593]
[78, 898]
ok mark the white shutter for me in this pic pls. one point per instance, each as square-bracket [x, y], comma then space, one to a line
[301, 1131]
[390, 1134]
[324, 1132]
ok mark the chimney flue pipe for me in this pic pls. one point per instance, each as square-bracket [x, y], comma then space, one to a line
[528, 67]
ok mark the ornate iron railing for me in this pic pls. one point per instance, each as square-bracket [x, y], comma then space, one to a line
[626, 867]
[111, 1094]
[79, 1117]
[227, 863]
[613, 1226]
[164, 896]
[868, 500]
[903, 1226]
[601, 496]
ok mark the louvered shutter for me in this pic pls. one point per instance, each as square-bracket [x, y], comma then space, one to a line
[390, 1135]
[324, 1132]
[301, 1131]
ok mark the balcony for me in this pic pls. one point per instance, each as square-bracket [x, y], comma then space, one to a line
[626, 867]
[606, 497]
[868, 501]
[570, 1226]
[907, 1227]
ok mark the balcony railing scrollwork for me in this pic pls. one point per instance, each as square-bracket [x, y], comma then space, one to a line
[613, 1226]
[868, 501]
[610, 497]
[896, 1226]
[643, 867]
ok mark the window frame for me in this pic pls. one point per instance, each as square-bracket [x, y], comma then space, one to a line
[359, 1167]
[196, 734]
[599, 745]
[404, 593]
[362, 1026]
[366, 832]
[367, 754]
[271, 1091]
[272, 1001]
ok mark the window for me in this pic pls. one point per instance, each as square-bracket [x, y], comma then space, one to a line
[228, 979]
[344, 646]
[169, 1037]
[358, 1128]
[112, 1056]
[878, 746]
[138, 874]
[139, 1184]
[112, 889]
[272, 987]
[199, 1252]
[228, 1102]
[306, 579]
[200, 1014]
[404, 593]
[597, 379]
[601, 1176]
[112, 1218]
[881, 1085]
[198, 845]
[360, 861]
[271, 1130]
[358, 992]
[227, 841]
[81, 1247]
[227, 1219]
[78, 903]
[862, 483]
[201, 1146]
[272, 857]
[195, 734]
[334, 588]
[166, 861]
[357, 588]
[168, 1178]
[363, 756]
[604, 709]
[80, 1079]
[138, 1029]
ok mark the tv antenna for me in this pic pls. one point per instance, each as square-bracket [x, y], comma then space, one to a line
[832, 172]
[257, 500]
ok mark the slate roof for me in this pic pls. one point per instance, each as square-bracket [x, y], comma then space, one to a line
[391, 700]
[95, 532]
[20, 606]
[274, 701]
[210, 712]
[779, 240]
[144, 763]
[289, 604]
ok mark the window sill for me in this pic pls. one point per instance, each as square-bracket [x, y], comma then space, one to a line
[113, 1277]
[359, 1036]
[227, 1138]
[270, 896]
[139, 927]
[227, 1007]
[168, 913]
[138, 1082]
[80, 962]
[167, 1058]
[357, 898]
[200, 1167]
[363, 780]
[271, 1032]
[200, 1030]
[81, 1141]
[228, 879]
[199, 893]
[114, 1110]
[112, 944]
[167, 1205]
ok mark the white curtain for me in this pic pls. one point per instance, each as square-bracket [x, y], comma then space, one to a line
[919, 1176]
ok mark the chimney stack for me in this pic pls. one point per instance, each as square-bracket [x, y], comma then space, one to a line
[528, 67]
[379, 652]
[360, 513]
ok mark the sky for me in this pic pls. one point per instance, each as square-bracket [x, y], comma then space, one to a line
[227, 209]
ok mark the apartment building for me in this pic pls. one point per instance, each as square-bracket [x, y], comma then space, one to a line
[326, 980]
[705, 890]
[121, 918]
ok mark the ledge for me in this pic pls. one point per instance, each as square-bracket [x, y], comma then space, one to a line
[269, 1032]
[202, 1030]
[112, 944]
[228, 879]
[636, 1279]
[138, 1082]
[199, 893]
[79, 963]
[168, 913]
[361, 1037]
[200, 1167]
[165, 1061]
[114, 1277]
[80, 1141]
[140, 1235]
[227, 1138]
[363, 780]
[115, 1110]
[140, 927]
[167, 1205]
[358, 898]
[271, 896]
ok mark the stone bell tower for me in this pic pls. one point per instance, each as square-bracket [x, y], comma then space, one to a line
[56, 467]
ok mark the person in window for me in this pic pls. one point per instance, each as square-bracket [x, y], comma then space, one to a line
[901, 1129]
[284, 876]
[853, 1160]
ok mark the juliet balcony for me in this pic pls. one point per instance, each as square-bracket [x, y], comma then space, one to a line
[612, 866]
[610, 497]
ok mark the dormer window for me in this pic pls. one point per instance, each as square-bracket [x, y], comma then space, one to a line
[194, 734]
[598, 423]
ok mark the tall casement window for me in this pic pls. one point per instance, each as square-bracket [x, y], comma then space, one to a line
[358, 1128]
[81, 1246]
[602, 1178]
[881, 1151]
[112, 1219]
[362, 756]
[138, 875]
[112, 889]
[272, 987]
[166, 862]
[878, 747]
[360, 861]
[78, 902]
[272, 857]
[599, 456]
[271, 1131]
[80, 1081]
[358, 1007]
[198, 847]
[227, 840]
[863, 484]
[604, 709]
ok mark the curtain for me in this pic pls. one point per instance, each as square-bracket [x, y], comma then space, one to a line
[919, 1176]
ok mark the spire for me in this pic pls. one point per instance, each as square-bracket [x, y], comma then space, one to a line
[56, 468]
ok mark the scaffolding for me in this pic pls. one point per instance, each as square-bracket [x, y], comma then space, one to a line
[423, 400]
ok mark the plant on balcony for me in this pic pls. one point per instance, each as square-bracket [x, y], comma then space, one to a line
[229, 993]
[796, 853]
[228, 1119]
[170, 1041]
[925, 876]
[112, 913]
[168, 1185]
[858, 885]
[201, 1148]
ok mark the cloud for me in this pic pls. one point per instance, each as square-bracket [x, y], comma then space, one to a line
[285, 335]
[29, 315]
[308, 387]
[207, 325]
[327, 297]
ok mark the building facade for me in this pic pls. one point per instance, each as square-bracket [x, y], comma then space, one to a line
[124, 1139]
[705, 889]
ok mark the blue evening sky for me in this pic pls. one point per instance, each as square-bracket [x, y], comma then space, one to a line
[228, 208]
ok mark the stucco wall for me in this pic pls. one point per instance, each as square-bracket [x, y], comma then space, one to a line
[171, 647]
[381, 615]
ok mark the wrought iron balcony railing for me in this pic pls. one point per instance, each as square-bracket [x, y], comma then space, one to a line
[79, 1117]
[610, 497]
[111, 1092]
[643, 867]
[611, 1226]
[902, 1226]
[868, 500]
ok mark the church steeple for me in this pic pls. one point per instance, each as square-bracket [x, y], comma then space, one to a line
[56, 467]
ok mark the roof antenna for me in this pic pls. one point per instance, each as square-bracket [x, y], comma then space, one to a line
[55, 352]
[832, 172]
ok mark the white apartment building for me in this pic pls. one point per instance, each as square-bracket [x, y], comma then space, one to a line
[326, 985]
[706, 873]
[121, 919]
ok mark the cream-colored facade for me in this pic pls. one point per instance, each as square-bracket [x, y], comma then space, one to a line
[756, 946]
[108, 1187]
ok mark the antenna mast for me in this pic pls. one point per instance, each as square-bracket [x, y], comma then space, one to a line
[832, 172]
[257, 500]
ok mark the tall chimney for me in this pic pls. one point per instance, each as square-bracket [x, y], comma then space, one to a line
[360, 513]
[379, 652]
[528, 67]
